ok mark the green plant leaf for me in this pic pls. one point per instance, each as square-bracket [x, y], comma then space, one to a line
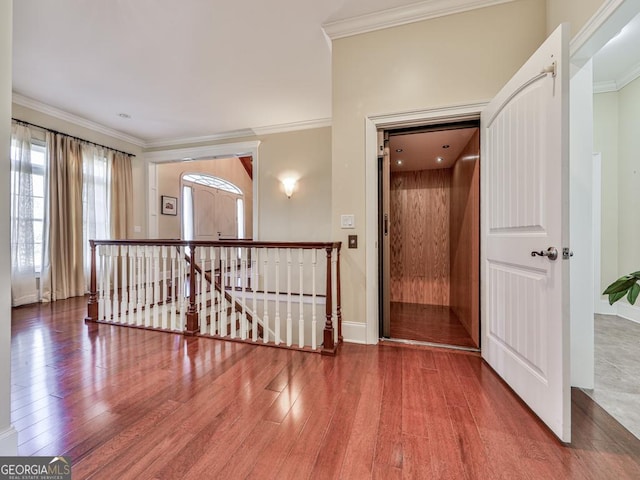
[621, 285]
[633, 294]
[614, 297]
[636, 274]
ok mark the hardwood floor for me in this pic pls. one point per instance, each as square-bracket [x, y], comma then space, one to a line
[133, 404]
[428, 323]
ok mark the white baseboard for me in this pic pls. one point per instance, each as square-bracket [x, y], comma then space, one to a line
[630, 312]
[9, 442]
[603, 308]
[354, 332]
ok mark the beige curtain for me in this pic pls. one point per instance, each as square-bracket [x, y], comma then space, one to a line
[66, 273]
[121, 196]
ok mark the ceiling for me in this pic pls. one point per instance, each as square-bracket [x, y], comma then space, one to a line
[181, 69]
[196, 69]
[618, 62]
[420, 151]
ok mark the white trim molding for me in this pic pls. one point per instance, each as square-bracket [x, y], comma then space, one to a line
[628, 311]
[292, 127]
[223, 150]
[403, 15]
[75, 119]
[354, 332]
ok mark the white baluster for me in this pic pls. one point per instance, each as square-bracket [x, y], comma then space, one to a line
[124, 296]
[107, 283]
[244, 326]
[254, 291]
[277, 329]
[156, 286]
[265, 315]
[182, 284]
[165, 291]
[139, 284]
[223, 280]
[114, 261]
[101, 266]
[289, 322]
[232, 323]
[212, 323]
[203, 290]
[314, 323]
[133, 282]
[148, 284]
[300, 296]
[174, 285]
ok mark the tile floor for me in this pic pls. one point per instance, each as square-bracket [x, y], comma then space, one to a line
[617, 365]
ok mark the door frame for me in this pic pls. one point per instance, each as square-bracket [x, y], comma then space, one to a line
[225, 150]
[374, 123]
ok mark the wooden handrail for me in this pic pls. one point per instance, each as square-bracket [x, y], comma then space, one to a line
[220, 243]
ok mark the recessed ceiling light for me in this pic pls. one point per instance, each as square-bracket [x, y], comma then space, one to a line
[398, 162]
[446, 146]
[124, 115]
[439, 159]
[399, 150]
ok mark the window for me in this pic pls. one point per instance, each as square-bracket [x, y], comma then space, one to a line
[213, 182]
[34, 200]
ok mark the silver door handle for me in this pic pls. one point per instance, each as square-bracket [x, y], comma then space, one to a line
[551, 253]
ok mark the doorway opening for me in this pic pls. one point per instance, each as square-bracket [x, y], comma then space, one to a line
[429, 230]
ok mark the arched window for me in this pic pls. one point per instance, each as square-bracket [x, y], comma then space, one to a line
[213, 182]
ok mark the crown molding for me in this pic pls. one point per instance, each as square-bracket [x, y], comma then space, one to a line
[74, 119]
[172, 142]
[223, 150]
[247, 132]
[628, 77]
[619, 83]
[292, 127]
[394, 17]
[605, 87]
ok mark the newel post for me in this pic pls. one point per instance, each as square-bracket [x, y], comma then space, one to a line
[192, 311]
[92, 305]
[328, 345]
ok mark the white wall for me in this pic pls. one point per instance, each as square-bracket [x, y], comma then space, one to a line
[8, 435]
[576, 12]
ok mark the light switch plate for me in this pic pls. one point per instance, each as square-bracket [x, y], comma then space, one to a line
[347, 221]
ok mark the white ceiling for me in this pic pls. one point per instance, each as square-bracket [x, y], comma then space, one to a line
[618, 62]
[181, 69]
[201, 68]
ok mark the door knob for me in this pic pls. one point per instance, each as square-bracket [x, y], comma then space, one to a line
[551, 253]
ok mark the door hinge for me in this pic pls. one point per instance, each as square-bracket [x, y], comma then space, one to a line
[566, 254]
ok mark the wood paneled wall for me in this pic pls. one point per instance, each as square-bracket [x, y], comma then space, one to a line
[465, 238]
[419, 231]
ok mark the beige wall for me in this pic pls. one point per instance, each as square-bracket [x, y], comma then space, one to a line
[306, 216]
[576, 12]
[138, 164]
[616, 126]
[605, 141]
[629, 179]
[305, 154]
[8, 436]
[169, 181]
[451, 60]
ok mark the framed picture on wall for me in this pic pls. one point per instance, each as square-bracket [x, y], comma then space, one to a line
[169, 205]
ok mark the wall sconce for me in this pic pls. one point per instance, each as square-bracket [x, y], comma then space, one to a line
[289, 185]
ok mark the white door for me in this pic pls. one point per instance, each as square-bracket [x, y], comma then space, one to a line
[215, 214]
[525, 209]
